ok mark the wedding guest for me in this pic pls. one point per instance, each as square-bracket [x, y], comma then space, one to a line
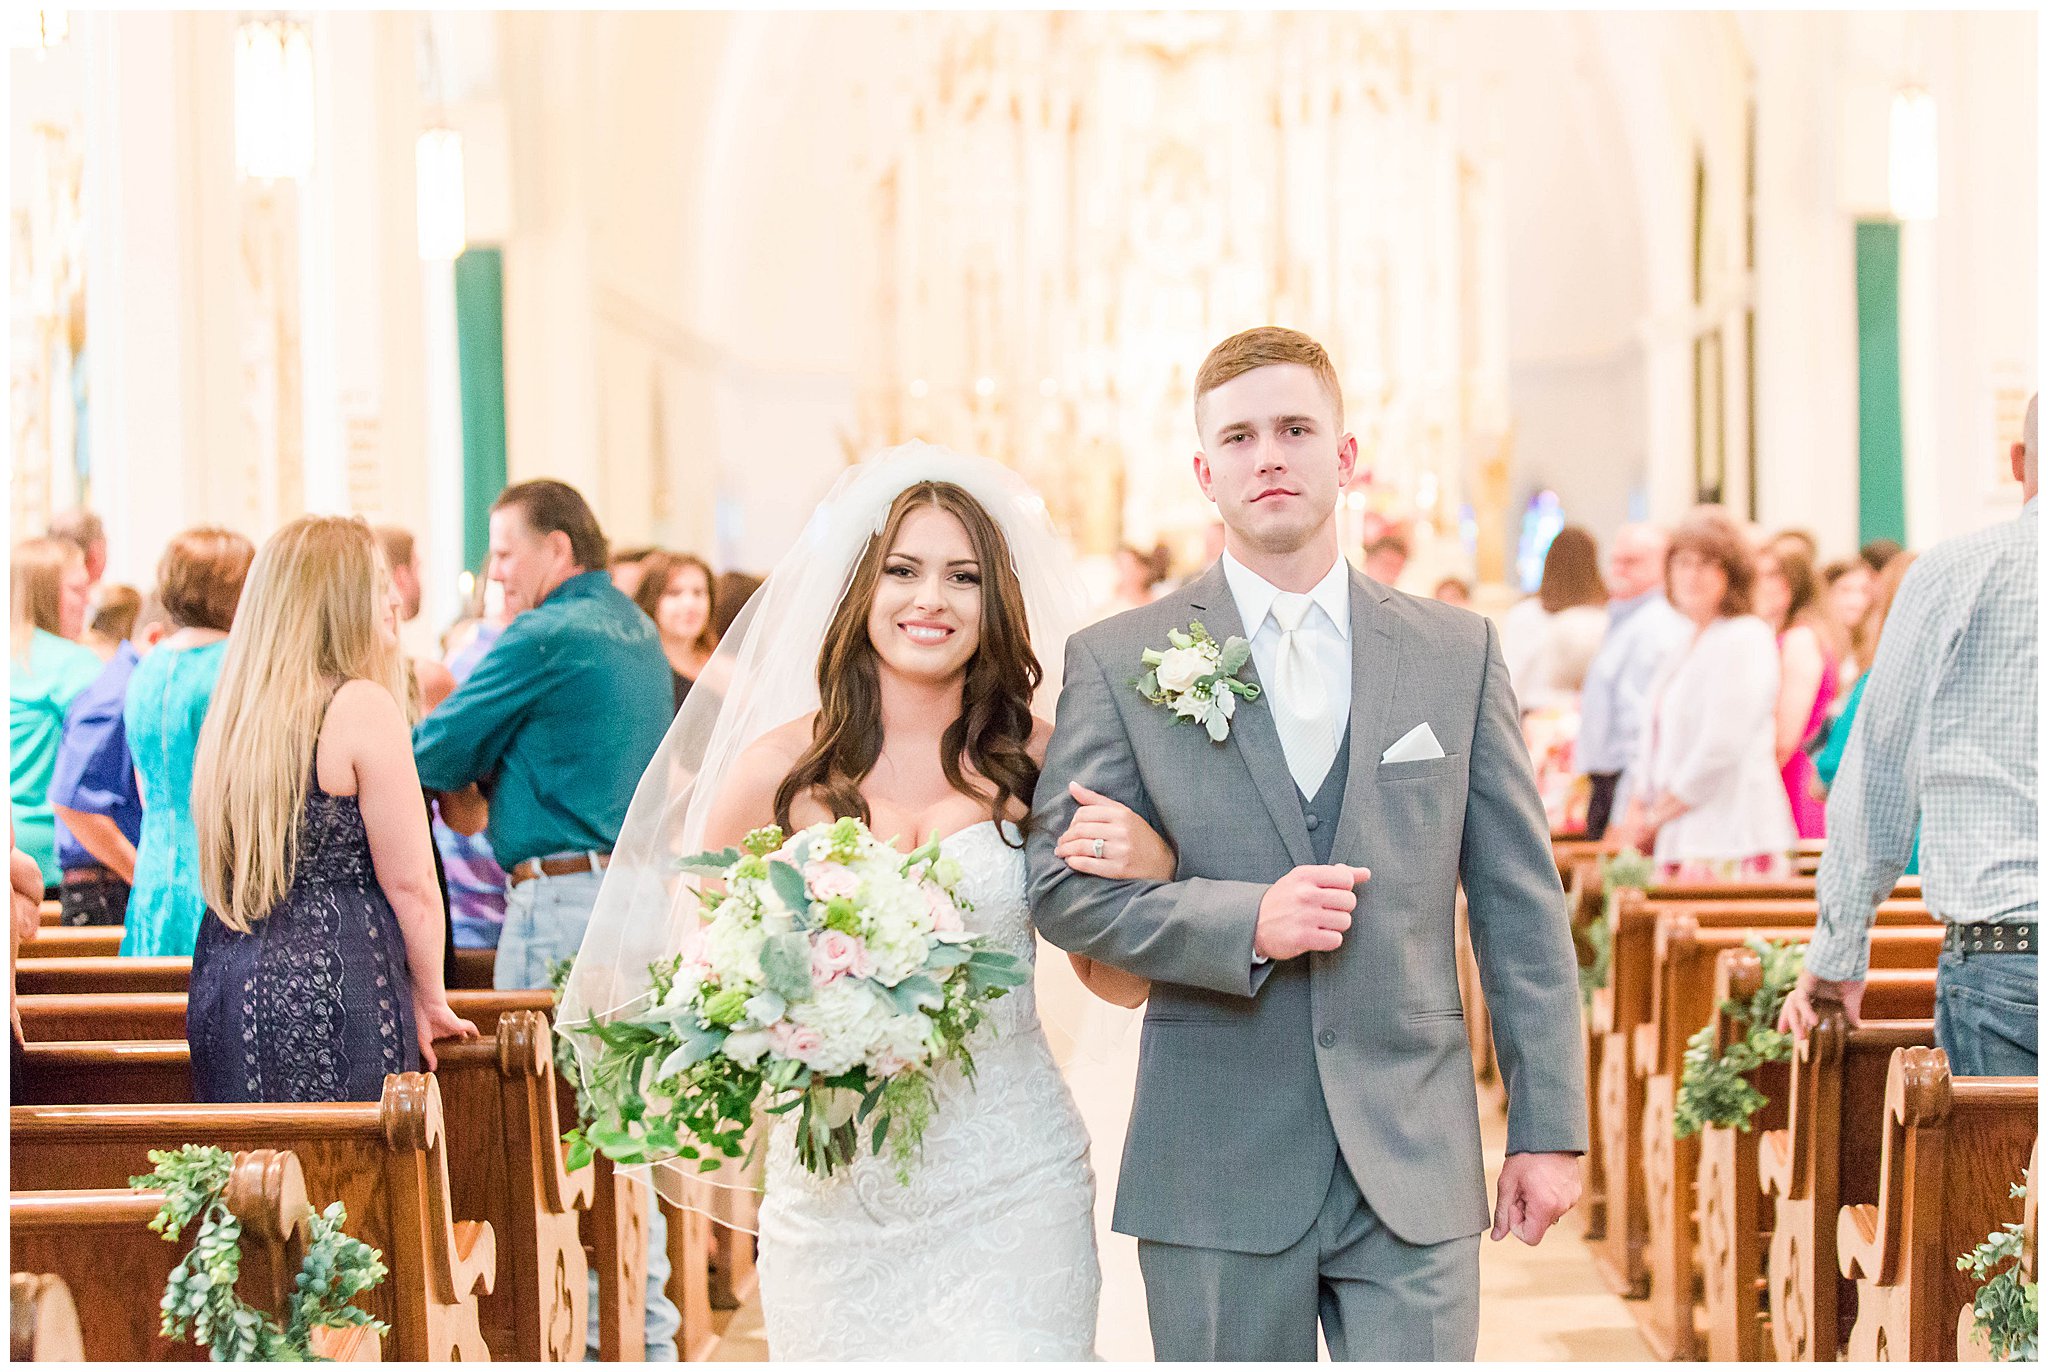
[1137, 580]
[1454, 590]
[626, 568]
[1946, 735]
[1708, 800]
[25, 900]
[1878, 552]
[93, 789]
[83, 529]
[476, 883]
[1642, 631]
[47, 668]
[1549, 639]
[1828, 762]
[402, 558]
[200, 583]
[577, 650]
[112, 612]
[678, 593]
[1801, 540]
[1809, 658]
[318, 968]
[1845, 599]
[729, 595]
[1386, 557]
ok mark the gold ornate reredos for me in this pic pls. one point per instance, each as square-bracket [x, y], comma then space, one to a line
[267, 1193]
[411, 1111]
[1918, 1090]
[523, 1047]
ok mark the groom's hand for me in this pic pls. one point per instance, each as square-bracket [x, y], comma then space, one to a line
[1535, 1191]
[1307, 911]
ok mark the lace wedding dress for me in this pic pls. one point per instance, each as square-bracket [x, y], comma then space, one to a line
[989, 1251]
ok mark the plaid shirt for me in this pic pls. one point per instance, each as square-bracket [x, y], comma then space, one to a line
[1944, 742]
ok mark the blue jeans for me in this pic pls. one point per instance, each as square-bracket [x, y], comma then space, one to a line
[544, 922]
[1985, 1013]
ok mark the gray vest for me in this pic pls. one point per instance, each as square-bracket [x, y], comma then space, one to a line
[1320, 810]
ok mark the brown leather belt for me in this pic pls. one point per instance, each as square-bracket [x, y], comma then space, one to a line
[90, 876]
[567, 865]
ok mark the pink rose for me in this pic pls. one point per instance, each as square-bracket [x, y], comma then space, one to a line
[945, 914]
[887, 1064]
[829, 880]
[696, 947]
[799, 1041]
[834, 954]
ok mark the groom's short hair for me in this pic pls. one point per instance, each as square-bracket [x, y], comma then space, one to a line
[1266, 346]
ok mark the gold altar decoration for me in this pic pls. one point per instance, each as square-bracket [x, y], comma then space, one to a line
[47, 323]
[1072, 208]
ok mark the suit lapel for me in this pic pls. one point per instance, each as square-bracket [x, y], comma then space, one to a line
[1375, 676]
[1252, 734]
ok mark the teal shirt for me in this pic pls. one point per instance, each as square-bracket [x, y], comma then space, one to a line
[565, 710]
[167, 702]
[39, 690]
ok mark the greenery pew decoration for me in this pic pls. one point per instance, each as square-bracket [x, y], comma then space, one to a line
[2007, 1308]
[1626, 870]
[200, 1305]
[1717, 1090]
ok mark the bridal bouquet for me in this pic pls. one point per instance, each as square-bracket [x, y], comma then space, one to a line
[832, 976]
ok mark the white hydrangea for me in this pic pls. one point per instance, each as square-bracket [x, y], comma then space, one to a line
[848, 1017]
[733, 949]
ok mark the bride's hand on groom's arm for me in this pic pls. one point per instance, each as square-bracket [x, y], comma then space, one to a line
[1535, 1191]
[1107, 838]
[1112, 984]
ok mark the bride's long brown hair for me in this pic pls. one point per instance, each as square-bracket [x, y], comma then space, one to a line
[993, 731]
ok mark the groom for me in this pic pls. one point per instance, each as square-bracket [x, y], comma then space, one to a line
[1305, 1139]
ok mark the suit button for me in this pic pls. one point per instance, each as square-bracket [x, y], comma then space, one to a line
[1328, 1038]
[1312, 823]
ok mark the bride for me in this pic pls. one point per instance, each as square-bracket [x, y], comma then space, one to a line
[915, 592]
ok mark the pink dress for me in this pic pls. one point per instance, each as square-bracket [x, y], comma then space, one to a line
[1802, 779]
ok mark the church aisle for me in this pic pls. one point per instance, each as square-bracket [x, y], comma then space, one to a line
[1544, 1304]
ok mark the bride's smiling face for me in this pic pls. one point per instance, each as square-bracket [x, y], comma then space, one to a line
[925, 621]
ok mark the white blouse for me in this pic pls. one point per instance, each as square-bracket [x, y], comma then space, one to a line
[1711, 741]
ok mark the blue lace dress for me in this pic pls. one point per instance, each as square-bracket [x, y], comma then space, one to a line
[315, 1003]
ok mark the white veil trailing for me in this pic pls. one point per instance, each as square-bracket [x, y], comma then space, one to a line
[767, 669]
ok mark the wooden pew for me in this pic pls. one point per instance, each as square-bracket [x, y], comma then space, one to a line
[42, 1324]
[1968, 1347]
[500, 1101]
[1683, 1002]
[92, 941]
[1952, 1148]
[161, 1014]
[1618, 1010]
[98, 1243]
[1825, 1156]
[387, 1161]
[67, 973]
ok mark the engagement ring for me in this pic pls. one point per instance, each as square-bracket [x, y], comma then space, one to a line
[1098, 847]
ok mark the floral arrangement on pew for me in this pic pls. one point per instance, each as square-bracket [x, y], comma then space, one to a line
[200, 1304]
[1627, 870]
[1716, 1090]
[2007, 1309]
[833, 976]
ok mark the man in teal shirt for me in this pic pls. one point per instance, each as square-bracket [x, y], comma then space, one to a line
[557, 722]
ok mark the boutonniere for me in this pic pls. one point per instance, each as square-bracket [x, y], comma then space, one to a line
[1196, 678]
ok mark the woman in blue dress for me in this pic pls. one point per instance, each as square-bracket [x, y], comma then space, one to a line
[200, 583]
[318, 964]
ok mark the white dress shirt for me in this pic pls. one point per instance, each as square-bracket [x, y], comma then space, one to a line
[1328, 625]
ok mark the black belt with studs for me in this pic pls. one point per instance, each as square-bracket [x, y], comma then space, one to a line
[1990, 938]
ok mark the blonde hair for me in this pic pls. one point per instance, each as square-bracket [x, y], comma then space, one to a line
[307, 623]
[1266, 347]
[38, 571]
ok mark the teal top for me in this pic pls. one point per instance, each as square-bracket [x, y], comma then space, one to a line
[167, 700]
[565, 711]
[40, 689]
[1829, 760]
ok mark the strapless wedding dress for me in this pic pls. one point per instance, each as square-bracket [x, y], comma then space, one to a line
[989, 1251]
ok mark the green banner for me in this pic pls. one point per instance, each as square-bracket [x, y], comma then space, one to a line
[1880, 426]
[480, 348]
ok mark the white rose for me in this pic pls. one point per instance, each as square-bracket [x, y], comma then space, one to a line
[1180, 668]
[746, 1046]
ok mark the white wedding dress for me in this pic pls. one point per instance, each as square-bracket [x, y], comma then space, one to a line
[989, 1251]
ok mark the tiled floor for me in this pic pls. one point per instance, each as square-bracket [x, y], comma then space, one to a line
[1537, 1304]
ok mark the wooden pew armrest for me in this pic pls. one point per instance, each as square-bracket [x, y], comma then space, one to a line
[1859, 1247]
[473, 1265]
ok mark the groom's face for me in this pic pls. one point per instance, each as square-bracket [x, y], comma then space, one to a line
[1273, 456]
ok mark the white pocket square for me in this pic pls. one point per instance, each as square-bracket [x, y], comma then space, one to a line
[1417, 745]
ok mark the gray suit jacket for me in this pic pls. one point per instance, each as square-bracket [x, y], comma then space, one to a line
[1251, 1078]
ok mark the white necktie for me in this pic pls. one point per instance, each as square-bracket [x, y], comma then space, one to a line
[1300, 701]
